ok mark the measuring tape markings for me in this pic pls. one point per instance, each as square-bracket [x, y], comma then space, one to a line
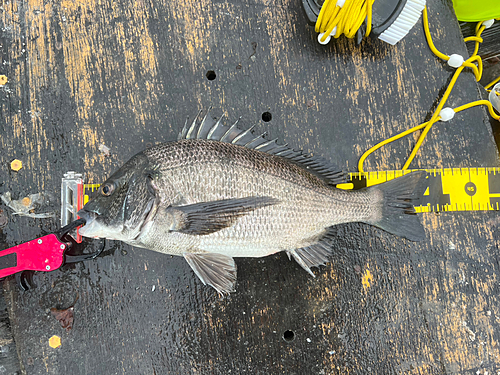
[89, 191]
[448, 189]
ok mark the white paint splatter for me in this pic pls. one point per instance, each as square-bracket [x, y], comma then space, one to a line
[104, 150]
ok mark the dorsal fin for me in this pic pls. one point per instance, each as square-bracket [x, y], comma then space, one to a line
[210, 129]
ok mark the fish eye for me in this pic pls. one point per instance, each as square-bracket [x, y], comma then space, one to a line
[108, 189]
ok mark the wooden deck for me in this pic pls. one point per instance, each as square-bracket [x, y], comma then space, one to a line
[126, 74]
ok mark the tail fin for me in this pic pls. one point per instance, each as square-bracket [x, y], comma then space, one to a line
[398, 215]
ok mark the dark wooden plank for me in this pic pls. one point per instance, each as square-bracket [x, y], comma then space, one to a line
[9, 360]
[126, 74]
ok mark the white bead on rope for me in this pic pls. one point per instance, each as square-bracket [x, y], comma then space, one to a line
[340, 3]
[455, 60]
[447, 114]
[328, 38]
[488, 24]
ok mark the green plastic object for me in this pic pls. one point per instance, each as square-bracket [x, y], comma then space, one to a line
[476, 10]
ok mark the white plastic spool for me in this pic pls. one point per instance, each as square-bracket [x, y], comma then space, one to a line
[494, 98]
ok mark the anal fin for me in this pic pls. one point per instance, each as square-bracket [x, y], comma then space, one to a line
[216, 270]
[311, 256]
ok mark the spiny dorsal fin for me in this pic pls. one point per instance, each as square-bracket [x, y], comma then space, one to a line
[216, 131]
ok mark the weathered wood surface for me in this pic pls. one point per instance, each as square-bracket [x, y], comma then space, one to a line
[126, 74]
[9, 361]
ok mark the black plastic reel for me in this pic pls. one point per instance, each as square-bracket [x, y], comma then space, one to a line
[384, 13]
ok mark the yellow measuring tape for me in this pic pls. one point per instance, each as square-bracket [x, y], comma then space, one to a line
[448, 189]
[88, 191]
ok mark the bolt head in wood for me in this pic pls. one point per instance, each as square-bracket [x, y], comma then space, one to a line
[16, 165]
[55, 341]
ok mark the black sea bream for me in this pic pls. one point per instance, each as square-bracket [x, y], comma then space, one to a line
[219, 192]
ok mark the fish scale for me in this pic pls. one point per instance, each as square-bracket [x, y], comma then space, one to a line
[237, 195]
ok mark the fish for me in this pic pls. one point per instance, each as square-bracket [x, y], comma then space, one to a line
[219, 192]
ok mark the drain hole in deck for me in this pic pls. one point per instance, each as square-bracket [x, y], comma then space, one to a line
[288, 335]
[267, 116]
[211, 75]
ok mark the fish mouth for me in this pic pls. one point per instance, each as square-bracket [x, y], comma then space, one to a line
[94, 228]
[90, 228]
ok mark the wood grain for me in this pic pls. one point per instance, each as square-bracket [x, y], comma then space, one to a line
[126, 74]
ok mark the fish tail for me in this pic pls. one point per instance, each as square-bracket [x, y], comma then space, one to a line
[397, 214]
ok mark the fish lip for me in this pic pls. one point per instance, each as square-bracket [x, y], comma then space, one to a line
[88, 216]
[90, 219]
[86, 211]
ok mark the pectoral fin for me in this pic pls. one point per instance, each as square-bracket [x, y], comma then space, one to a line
[216, 270]
[209, 217]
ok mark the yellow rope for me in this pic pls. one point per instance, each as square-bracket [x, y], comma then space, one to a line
[348, 18]
[473, 38]
[492, 83]
[429, 39]
[426, 126]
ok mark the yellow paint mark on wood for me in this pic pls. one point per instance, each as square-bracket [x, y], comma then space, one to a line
[78, 51]
[40, 58]
[196, 25]
[367, 279]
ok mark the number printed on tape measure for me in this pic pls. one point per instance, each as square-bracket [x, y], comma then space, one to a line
[448, 189]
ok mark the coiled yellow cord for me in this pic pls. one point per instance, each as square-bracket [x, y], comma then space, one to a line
[426, 126]
[348, 18]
